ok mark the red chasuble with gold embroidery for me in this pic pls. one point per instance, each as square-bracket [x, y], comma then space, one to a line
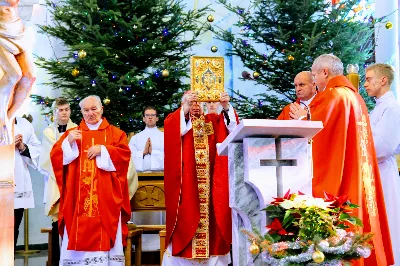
[344, 161]
[92, 199]
[196, 188]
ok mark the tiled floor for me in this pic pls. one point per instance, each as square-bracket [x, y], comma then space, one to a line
[38, 259]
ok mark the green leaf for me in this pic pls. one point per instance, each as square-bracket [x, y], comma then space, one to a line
[353, 206]
[342, 226]
[343, 216]
[276, 237]
[355, 221]
[288, 219]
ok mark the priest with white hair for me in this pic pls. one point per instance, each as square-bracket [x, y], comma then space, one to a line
[90, 163]
[343, 152]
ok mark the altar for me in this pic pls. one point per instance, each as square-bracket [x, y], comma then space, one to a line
[266, 159]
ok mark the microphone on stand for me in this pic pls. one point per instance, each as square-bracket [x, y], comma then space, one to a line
[246, 75]
[308, 111]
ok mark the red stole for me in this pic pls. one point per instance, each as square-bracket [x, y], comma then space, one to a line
[92, 199]
[197, 202]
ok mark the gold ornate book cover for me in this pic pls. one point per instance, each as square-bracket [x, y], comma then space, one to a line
[207, 77]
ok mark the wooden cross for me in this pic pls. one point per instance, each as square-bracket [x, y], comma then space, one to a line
[278, 163]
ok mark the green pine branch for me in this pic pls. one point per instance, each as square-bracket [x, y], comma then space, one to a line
[128, 44]
[279, 39]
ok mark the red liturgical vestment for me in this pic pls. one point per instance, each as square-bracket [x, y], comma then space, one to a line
[91, 199]
[344, 161]
[285, 114]
[196, 188]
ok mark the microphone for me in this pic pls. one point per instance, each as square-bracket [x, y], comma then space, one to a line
[246, 75]
[308, 111]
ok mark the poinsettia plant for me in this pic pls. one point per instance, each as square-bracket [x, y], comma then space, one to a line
[298, 215]
[307, 229]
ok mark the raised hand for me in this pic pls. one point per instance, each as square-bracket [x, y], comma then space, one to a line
[188, 100]
[224, 100]
[74, 135]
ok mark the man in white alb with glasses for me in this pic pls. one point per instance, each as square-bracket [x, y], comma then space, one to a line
[148, 146]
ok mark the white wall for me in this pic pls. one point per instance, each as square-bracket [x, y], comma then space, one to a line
[387, 50]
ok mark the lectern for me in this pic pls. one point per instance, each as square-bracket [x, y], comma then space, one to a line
[266, 158]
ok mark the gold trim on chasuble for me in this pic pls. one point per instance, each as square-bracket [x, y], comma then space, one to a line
[88, 182]
[201, 130]
[366, 167]
[207, 77]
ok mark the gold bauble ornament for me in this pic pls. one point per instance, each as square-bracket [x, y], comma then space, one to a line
[165, 73]
[290, 58]
[389, 25]
[318, 256]
[106, 101]
[82, 54]
[214, 49]
[256, 75]
[254, 248]
[75, 72]
[210, 18]
[357, 9]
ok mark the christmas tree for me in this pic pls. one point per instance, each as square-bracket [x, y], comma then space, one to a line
[280, 38]
[130, 53]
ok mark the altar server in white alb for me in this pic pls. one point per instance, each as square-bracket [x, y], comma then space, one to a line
[147, 149]
[61, 123]
[148, 146]
[385, 124]
[27, 151]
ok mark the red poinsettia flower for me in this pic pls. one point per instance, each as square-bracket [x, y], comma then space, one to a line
[287, 196]
[276, 227]
[336, 201]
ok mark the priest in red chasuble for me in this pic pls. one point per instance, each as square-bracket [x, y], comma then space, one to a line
[344, 157]
[196, 185]
[90, 163]
[305, 92]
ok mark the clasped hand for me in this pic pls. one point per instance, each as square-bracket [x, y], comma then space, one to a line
[297, 112]
[147, 147]
[19, 144]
